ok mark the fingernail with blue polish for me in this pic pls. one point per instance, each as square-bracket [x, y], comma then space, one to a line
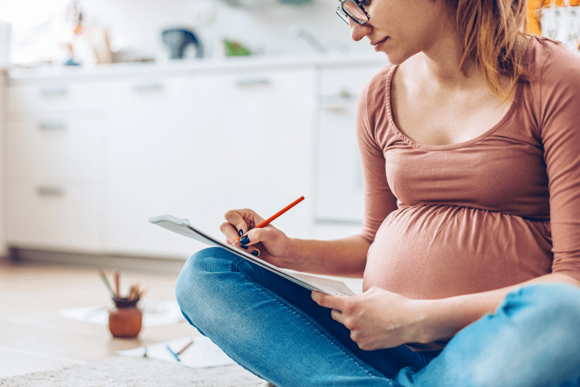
[241, 232]
[245, 240]
[255, 252]
[244, 247]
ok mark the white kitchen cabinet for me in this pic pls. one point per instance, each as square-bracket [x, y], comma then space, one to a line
[3, 244]
[198, 146]
[56, 145]
[339, 183]
[343, 84]
[56, 96]
[61, 147]
[88, 161]
[338, 172]
[54, 215]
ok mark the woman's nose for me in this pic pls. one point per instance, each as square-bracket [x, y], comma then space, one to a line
[357, 32]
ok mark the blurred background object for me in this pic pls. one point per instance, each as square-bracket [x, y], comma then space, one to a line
[299, 33]
[235, 49]
[556, 19]
[104, 31]
[180, 42]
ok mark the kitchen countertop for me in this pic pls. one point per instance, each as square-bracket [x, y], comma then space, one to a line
[62, 73]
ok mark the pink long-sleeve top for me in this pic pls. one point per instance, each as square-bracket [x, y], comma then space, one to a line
[491, 212]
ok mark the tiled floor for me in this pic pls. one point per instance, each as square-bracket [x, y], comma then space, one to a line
[33, 337]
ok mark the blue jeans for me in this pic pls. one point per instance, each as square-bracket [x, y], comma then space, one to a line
[271, 327]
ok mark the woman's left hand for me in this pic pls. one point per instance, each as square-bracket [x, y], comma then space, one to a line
[377, 318]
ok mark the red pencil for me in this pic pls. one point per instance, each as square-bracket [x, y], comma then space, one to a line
[277, 214]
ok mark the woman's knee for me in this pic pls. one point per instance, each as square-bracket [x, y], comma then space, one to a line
[553, 301]
[546, 329]
[531, 340]
[544, 313]
[197, 275]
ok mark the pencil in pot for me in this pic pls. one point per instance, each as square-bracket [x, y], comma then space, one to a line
[117, 276]
[126, 319]
[106, 281]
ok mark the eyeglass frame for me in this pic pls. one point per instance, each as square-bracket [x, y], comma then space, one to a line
[359, 4]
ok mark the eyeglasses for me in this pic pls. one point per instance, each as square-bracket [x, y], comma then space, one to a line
[354, 10]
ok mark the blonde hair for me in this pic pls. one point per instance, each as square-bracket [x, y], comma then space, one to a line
[492, 35]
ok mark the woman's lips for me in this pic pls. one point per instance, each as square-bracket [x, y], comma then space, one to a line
[379, 44]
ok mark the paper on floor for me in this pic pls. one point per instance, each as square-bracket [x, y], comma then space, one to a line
[202, 353]
[154, 313]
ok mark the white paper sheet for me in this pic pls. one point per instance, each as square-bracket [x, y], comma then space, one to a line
[331, 286]
[202, 353]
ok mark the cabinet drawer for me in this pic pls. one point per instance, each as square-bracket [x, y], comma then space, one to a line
[338, 85]
[193, 156]
[55, 148]
[53, 217]
[329, 231]
[57, 97]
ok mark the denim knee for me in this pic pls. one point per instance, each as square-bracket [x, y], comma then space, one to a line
[557, 302]
[531, 340]
[543, 320]
[199, 277]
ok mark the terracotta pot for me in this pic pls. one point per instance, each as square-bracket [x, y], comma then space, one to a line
[125, 320]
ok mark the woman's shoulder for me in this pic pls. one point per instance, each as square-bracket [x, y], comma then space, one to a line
[375, 91]
[554, 84]
[373, 104]
[551, 63]
[380, 80]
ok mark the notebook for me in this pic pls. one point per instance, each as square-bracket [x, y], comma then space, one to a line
[309, 281]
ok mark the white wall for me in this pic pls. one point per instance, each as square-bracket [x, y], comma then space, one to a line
[2, 158]
[4, 41]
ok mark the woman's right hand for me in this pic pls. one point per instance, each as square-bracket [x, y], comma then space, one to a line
[268, 243]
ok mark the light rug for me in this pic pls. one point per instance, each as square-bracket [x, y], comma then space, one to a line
[136, 372]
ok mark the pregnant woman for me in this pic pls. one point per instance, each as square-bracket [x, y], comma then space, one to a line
[470, 248]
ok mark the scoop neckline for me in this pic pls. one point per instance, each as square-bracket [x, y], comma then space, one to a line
[463, 144]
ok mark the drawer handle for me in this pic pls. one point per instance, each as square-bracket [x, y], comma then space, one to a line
[49, 126]
[345, 95]
[336, 108]
[342, 97]
[48, 190]
[251, 82]
[143, 88]
[337, 222]
[53, 92]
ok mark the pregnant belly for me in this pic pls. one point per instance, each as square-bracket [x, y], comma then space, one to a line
[431, 252]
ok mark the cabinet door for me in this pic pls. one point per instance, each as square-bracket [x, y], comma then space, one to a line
[55, 193]
[339, 181]
[56, 148]
[3, 146]
[54, 96]
[197, 146]
[53, 216]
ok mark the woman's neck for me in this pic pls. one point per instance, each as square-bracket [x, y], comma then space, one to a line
[439, 65]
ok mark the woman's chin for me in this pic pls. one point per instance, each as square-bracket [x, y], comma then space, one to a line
[394, 59]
